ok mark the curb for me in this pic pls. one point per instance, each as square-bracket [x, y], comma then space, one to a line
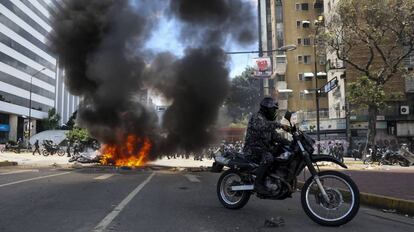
[385, 202]
[7, 163]
[382, 202]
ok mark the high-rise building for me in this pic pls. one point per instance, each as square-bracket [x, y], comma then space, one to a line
[293, 81]
[30, 80]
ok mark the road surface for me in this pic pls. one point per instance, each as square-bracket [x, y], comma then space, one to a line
[146, 200]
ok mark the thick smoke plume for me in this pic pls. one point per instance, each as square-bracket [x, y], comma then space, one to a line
[99, 43]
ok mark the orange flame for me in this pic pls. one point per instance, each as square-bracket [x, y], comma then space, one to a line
[132, 153]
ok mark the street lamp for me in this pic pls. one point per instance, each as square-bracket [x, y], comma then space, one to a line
[30, 101]
[318, 23]
[286, 48]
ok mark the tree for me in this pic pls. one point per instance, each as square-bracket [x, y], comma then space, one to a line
[52, 120]
[79, 134]
[244, 95]
[384, 31]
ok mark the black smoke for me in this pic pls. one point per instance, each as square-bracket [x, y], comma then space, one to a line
[100, 43]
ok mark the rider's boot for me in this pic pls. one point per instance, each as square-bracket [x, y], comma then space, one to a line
[259, 182]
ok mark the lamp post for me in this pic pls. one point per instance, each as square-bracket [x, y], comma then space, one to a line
[318, 23]
[30, 100]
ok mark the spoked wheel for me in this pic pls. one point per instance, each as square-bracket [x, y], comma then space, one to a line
[229, 198]
[45, 153]
[343, 196]
[61, 152]
[368, 160]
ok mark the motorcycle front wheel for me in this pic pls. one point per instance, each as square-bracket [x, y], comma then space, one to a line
[343, 196]
[45, 153]
[228, 198]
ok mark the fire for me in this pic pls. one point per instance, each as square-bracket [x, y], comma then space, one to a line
[133, 152]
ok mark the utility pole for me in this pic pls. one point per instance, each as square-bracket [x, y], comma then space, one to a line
[318, 22]
[30, 101]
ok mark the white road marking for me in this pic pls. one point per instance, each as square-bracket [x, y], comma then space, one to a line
[31, 179]
[19, 171]
[103, 177]
[192, 178]
[112, 215]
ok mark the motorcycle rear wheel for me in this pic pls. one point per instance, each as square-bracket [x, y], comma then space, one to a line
[338, 210]
[61, 152]
[228, 198]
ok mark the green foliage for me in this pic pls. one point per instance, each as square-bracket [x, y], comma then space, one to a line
[52, 120]
[365, 92]
[79, 134]
[244, 95]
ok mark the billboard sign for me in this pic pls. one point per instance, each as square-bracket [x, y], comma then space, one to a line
[262, 67]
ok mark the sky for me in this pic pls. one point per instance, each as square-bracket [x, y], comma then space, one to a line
[165, 38]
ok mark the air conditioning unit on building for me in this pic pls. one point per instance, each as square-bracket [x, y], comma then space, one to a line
[404, 110]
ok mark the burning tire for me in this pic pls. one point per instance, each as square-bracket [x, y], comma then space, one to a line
[228, 198]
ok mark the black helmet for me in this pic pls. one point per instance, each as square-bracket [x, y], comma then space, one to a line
[268, 107]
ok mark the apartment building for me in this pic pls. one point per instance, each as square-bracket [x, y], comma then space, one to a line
[31, 82]
[394, 123]
[293, 81]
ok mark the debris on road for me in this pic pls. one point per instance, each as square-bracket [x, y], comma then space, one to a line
[389, 210]
[274, 222]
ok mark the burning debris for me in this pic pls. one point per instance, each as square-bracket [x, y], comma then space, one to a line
[100, 43]
[133, 151]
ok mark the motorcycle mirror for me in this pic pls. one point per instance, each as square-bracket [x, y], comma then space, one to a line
[288, 115]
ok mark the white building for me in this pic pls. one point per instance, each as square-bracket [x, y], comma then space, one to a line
[28, 69]
[335, 69]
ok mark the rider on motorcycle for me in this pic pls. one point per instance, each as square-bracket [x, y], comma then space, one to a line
[262, 140]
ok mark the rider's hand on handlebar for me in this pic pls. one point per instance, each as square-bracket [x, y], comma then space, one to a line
[285, 127]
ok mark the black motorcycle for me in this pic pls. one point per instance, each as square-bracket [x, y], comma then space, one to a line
[329, 198]
[50, 149]
[405, 157]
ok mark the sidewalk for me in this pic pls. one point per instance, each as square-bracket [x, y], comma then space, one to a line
[27, 159]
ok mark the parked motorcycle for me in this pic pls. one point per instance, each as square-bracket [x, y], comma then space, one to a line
[11, 147]
[50, 149]
[405, 157]
[329, 198]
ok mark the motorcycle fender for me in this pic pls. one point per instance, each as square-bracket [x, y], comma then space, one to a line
[318, 158]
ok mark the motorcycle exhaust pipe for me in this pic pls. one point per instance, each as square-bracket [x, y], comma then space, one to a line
[242, 188]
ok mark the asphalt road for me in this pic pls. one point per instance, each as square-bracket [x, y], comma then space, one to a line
[146, 200]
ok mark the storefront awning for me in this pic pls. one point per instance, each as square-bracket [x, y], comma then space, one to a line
[285, 91]
[308, 74]
[321, 74]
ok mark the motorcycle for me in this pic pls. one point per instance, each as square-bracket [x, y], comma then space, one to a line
[405, 157]
[329, 198]
[50, 149]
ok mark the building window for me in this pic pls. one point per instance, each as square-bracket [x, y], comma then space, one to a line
[280, 77]
[306, 24]
[300, 59]
[307, 41]
[281, 60]
[307, 59]
[298, 24]
[300, 76]
[305, 6]
[297, 6]
[299, 41]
